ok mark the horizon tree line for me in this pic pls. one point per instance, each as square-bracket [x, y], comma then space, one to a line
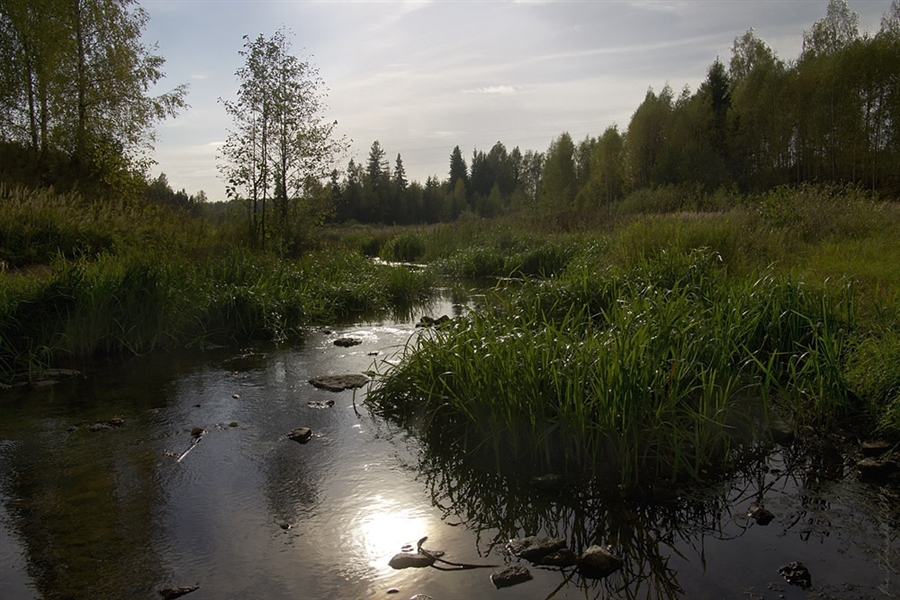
[830, 116]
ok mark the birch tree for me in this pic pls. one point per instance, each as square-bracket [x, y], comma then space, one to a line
[280, 144]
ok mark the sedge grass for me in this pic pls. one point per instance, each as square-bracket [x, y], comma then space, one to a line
[136, 303]
[652, 373]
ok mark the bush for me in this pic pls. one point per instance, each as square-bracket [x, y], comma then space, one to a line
[409, 246]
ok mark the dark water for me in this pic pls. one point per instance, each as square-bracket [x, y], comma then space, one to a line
[248, 513]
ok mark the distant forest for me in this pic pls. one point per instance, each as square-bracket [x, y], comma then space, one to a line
[831, 116]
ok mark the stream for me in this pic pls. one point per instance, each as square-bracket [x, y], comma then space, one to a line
[95, 503]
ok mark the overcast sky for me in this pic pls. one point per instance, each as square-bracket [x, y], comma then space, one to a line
[422, 77]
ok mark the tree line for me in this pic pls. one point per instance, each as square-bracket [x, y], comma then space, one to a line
[75, 111]
[830, 116]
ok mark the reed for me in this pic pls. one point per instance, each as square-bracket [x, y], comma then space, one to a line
[136, 303]
[652, 373]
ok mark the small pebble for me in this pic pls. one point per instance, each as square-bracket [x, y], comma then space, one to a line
[393, 591]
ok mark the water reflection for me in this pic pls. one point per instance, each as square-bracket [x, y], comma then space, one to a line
[251, 514]
[698, 543]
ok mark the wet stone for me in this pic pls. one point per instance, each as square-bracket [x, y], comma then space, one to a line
[535, 548]
[781, 432]
[759, 514]
[177, 592]
[797, 574]
[872, 448]
[510, 576]
[405, 560]
[427, 321]
[561, 558]
[107, 424]
[320, 404]
[876, 469]
[551, 482]
[301, 435]
[597, 562]
[339, 383]
[347, 342]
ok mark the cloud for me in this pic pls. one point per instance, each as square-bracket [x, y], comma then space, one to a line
[493, 89]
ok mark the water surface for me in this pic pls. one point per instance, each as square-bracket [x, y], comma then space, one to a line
[247, 513]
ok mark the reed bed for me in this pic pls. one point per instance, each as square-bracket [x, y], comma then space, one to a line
[141, 302]
[651, 373]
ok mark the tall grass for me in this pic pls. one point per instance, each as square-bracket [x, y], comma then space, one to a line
[161, 280]
[653, 372]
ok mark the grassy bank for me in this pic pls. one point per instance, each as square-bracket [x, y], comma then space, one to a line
[650, 344]
[80, 285]
[659, 347]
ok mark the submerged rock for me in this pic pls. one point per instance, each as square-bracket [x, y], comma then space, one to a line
[759, 514]
[797, 574]
[781, 432]
[561, 558]
[551, 482]
[346, 342]
[171, 593]
[339, 383]
[510, 576]
[301, 435]
[320, 403]
[597, 562]
[113, 423]
[535, 548]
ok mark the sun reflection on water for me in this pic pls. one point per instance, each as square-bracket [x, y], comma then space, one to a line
[384, 526]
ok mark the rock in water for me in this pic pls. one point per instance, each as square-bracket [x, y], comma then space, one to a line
[561, 558]
[339, 383]
[759, 514]
[876, 469]
[597, 562]
[551, 482]
[404, 560]
[301, 434]
[510, 576]
[171, 593]
[796, 573]
[535, 548]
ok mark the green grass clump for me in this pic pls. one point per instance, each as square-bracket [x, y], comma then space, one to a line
[408, 246]
[653, 372]
[141, 302]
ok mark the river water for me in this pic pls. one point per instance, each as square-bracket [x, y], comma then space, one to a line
[248, 513]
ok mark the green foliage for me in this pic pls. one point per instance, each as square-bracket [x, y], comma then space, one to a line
[281, 145]
[649, 372]
[75, 80]
[409, 246]
[119, 278]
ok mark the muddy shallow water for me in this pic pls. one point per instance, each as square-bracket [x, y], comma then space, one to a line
[248, 513]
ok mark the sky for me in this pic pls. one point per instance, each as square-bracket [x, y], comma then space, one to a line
[424, 76]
